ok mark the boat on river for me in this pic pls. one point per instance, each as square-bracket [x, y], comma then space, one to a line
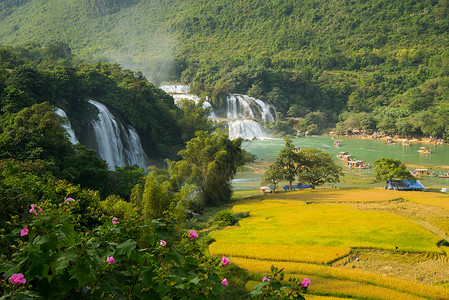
[357, 164]
[337, 144]
[421, 172]
[424, 150]
[405, 143]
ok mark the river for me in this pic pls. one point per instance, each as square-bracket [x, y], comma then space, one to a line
[361, 149]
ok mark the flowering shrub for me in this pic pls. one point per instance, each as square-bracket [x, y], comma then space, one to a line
[17, 279]
[129, 258]
[273, 288]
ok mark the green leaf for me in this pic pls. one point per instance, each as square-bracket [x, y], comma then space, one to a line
[195, 280]
[126, 248]
[147, 275]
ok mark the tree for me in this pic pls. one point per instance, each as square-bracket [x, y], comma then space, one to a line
[157, 194]
[273, 175]
[318, 168]
[34, 133]
[290, 160]
[387, 169]
[209, 161]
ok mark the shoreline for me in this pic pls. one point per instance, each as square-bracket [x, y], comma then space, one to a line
[394, 139]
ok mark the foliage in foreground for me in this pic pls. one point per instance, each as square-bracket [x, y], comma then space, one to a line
[61, 258]
[55, 255]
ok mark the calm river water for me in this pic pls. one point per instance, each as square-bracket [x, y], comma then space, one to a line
[361, 149]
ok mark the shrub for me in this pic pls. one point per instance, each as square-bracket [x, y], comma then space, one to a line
[225, 218]
[116, 259]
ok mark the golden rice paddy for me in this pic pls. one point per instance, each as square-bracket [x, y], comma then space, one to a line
[304, 232]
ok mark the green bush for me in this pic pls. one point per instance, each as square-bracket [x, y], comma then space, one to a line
[225, 218]
[116, 259]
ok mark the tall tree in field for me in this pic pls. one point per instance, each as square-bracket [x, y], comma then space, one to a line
[273, 175]
[290, 160]
[318, 168]
[209, 161]
[386, 169]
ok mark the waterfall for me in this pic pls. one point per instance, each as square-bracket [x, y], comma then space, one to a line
[246, 129]
[243, 113]
[116, 145]
[180, 92]
[243, 106]
[67, 126]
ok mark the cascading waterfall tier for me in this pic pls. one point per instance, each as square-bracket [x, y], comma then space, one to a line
[181, 92]
[67, 126]
[242, 113]
[243, 106]
[246, 129]
[115, 144]
[245, 113]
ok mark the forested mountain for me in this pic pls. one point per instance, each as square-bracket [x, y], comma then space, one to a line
[373, 65]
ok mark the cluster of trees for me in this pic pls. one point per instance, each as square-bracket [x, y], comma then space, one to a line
[62, 241]
[67, 244]
[307, 166]
[35, 74]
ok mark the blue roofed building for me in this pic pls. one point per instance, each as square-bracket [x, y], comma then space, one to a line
[405, 185]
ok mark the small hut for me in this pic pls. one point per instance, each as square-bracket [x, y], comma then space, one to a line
[405, 185]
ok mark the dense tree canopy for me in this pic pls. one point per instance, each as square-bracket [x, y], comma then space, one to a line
[318, 168]
[386, 169]
[210, 161]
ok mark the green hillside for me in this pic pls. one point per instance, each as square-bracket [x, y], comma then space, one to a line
[373, 65]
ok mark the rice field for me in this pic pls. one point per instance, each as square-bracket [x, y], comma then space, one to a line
[305, 232]
[332, 280]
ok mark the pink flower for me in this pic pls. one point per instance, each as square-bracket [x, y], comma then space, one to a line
[225, 282]
[110, 260]
[265, 279]
[114, 221]
[33, 210]
[18, 279]
[24, 231]
[69, 199]
[305, 283]
[193, 234]
[163, 243]
[225, 260]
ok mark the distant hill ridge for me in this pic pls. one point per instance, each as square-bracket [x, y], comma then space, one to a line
[138, 33]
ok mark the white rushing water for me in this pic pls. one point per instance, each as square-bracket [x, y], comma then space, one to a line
[181, 92]
[243, 113]
[246, 129]
[67, 126]
[243, 106]
[116, 145]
